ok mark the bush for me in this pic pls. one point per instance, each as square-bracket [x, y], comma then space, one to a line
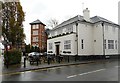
[14, 57]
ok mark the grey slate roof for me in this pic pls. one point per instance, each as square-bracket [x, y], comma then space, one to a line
[93, 20]
[98, 19]
[71, 20]
[36, 22]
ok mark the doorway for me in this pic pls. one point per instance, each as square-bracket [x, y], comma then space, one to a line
[57, 50]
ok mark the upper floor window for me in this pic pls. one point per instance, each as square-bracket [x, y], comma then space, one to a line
[35, 39]
[35, 32]
[67, 44]
[110, 44]
[35, 26]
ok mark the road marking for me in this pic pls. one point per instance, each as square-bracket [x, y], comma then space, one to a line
[85, 73]
[71, 76]
[91, 72]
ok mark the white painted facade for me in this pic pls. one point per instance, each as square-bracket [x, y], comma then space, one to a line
[61, 39]
[89, 41]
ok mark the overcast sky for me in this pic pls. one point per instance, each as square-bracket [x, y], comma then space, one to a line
[61, 10]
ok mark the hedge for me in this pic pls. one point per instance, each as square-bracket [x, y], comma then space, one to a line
[14, 56]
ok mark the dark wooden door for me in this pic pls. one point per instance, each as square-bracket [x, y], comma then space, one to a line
[57, 49]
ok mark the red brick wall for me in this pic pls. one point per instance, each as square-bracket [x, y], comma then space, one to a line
[42, 37]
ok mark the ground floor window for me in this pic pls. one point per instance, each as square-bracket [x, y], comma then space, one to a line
[67, 44]
[110, 44]
[82, 44]
[50, 46]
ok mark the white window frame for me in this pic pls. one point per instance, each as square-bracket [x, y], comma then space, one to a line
[36, 26]
[35, 32]
[35, 39]
[67, 44]
[110, 44]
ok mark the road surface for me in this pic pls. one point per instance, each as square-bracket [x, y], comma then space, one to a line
[98, 71]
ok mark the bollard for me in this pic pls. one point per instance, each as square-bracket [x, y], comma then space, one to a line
[24, 62]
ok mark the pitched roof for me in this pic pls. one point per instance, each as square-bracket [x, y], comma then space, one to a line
[71, 20]
[98, 19]
[36, 22]
[93, 20]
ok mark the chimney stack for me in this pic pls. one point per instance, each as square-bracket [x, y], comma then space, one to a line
[86, 14]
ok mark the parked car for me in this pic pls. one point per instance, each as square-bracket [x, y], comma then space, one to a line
[33, 56]
[33, 53]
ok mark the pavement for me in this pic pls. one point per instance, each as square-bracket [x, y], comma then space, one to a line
[21, 68]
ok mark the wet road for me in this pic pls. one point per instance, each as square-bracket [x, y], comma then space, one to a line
[98, 71]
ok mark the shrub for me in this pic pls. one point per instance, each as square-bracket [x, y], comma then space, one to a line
[13, 56]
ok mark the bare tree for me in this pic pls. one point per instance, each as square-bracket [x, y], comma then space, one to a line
[52, 23]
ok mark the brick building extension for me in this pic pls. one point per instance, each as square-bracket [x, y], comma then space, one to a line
[38, 35]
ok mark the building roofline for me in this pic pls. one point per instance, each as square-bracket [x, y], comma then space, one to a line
[37, 22]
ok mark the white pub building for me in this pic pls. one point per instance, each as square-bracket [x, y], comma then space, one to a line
[84, 36]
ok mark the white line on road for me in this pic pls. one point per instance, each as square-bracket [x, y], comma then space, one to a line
[71, 76]
[91, 72]
[85, 73]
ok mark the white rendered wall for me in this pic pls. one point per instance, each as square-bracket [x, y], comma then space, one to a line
[111, 33]
[61, 39]
[85, 32]
[98, 39]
